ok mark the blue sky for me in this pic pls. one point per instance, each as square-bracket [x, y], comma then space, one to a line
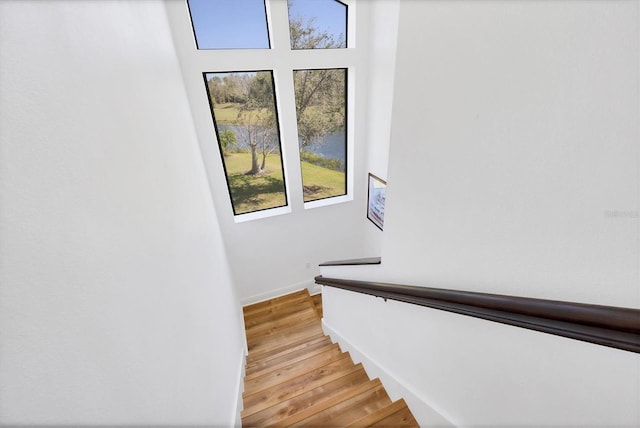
[236, 24]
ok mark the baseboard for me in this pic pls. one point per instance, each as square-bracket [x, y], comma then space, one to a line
[310, 284]
[314, 288]
[424, 414]
[239, 390]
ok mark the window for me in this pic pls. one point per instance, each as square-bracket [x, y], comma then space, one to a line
[322, 134]
[244, 115]
[221, 24]
[317, 24]
[279, 107]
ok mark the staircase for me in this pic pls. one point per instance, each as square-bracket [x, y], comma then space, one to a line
[295, 376]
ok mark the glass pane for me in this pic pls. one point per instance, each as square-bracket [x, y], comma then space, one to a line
[317, 24]
[321, 100]
[244, 114]
[229, 24]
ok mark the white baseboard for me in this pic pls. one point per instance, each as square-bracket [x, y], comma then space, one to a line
[424, 414]
[310, 284]
[314, 288]
[239, 390]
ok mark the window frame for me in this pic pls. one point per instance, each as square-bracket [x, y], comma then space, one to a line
[217, 135]
[346, 133]
[346, 30]
[195, 33]
[281, 60]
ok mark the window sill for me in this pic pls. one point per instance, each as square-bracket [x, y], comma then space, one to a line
[256, 215]
[327, 201]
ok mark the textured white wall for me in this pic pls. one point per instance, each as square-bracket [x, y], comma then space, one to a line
[513, 169]
[116, 302]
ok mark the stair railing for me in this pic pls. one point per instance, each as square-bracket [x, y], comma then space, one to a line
[611, 326]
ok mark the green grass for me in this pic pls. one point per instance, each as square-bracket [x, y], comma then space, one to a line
[257, 192]
[254, 192]
[321, 182]
[226, 114]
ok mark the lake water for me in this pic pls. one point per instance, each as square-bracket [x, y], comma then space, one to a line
[332, 147]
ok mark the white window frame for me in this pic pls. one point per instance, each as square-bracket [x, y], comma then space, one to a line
[282, 60]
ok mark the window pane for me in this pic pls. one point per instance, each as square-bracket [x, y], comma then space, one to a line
[317, 24]
[322, 131]
[244, 114]
[229, 24]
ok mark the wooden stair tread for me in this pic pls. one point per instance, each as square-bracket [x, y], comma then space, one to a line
[317, 303]
[299, 385]
[274, 326]
[292, 359]
[283, 409]
[253, 320]
[283, 374]
[275, 303]
[287, 354]
[396, 414]
[318, 411]
[401, 418]
[282, 348]
[295, 375]
[351, 409]
[297, 334]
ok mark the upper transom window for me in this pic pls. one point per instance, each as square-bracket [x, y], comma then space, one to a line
[229, 24]
[317, 24]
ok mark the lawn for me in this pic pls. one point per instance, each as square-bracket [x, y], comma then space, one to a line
[321, 182]
[257, 192]
[254, 192]
[226, 114]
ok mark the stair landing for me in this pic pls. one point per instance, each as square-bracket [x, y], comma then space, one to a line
[295, 376]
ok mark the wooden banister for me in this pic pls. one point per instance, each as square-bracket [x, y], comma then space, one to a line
[354, 262]
[611, 326]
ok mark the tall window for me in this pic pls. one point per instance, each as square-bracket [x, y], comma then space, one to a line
[321, 114]
[244, 115]
[258, 153]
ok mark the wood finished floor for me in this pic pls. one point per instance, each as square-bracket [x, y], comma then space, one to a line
[295, 376]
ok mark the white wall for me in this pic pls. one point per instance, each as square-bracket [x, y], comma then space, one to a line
[116, 301]
[274, 255]
[383, 38]
[513, 169]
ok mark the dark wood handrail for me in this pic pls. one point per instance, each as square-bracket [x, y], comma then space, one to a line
[354, 262]
[604, 325]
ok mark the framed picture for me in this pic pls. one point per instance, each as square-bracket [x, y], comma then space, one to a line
[375, 200]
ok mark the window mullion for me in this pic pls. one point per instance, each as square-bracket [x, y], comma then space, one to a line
[278, 19]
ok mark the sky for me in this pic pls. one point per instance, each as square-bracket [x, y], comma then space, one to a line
[242, 24]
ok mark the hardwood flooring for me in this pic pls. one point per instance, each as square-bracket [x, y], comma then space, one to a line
[295, 376]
